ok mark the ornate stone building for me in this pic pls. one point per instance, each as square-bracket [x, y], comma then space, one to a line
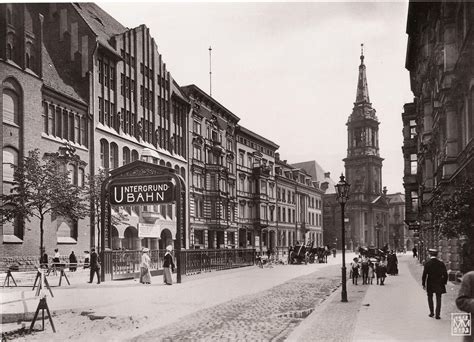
[256, 190]
[438, 126]
[367, 208]
[212, 173]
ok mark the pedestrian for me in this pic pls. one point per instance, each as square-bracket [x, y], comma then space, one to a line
[434, 280]
[415, 252]
[94, 266]
[145, 274]
[465, 299]
[354, 273]
[371, 272]
[381, 272]
[168, 266]
[44, 262]
[86, 259]
[364, 266]
[334, 252]
[72, 262]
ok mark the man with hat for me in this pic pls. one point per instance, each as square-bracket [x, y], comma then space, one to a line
[434, 280]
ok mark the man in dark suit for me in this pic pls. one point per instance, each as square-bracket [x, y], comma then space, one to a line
[434, 280]
[94, 266]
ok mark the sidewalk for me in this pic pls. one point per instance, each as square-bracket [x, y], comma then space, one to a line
[127, 308]
[397, 311]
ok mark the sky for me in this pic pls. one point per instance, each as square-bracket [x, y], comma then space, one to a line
[289, 70]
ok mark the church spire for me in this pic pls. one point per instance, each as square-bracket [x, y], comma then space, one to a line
[362, 88]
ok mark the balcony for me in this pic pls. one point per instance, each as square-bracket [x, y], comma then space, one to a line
[150, 216]
[261, 170]
[260, 223]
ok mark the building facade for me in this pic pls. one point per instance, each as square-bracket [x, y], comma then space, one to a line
[400, 237]
[256, 190]
[438, 125]
[212, 173]
[104, 91]
[299, 207]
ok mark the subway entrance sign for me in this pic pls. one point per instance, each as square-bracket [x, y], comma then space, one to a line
[149, 192]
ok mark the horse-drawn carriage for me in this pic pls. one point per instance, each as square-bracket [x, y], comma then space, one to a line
[308, 253]
[374, 252]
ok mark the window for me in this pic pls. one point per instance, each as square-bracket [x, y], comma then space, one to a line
[104, 154]
[126, 155]
[196, 127]
[413, 164]
[412, 129]
[10, 160]
[80, 178]
[71, 173]
[414, 201]
[11, 104]
[113, 156]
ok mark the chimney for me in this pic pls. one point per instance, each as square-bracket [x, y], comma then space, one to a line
[384, 191]
[327, 174]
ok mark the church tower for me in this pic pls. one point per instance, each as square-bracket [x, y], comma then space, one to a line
[368, 207]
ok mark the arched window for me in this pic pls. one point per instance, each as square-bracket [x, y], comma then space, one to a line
[126, 155]
[104, 154]
[113, 156]
[183, 173]
[11, 106]
[10, 160]
[134, 155]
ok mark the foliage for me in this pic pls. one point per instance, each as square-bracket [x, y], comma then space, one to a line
[453, 214]
[93, 189]
[41, 188]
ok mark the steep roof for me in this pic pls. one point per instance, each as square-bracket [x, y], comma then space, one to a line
[317, 173]
[362, 95]
[52, 79]
[101, 23]
[396, 198]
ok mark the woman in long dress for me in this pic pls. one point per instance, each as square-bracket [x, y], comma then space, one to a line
[145, 275]
[168, 266]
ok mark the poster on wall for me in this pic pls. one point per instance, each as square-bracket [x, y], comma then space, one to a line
[148, 230]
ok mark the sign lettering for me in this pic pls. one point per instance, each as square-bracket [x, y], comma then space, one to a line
[133, 194]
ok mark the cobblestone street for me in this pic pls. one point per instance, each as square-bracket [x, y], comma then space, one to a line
[267, 315]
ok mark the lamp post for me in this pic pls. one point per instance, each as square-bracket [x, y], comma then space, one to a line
[342, 191]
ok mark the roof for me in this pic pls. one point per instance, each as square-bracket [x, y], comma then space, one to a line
[396, 198]
[100, 22]
[317, 173]
[362, 95]
[191, 88]
[52, 79]
[256, 136]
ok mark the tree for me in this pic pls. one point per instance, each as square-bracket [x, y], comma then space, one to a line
[93, 189]
[453, 215]
[42, 188]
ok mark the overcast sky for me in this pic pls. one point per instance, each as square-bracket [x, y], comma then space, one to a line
[289, 70]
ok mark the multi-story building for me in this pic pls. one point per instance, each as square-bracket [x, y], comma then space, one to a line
[299, 206]
[326, 184]
[438, 126]
[102, 89]
[256, 190]
[212, 173]
[400, 237]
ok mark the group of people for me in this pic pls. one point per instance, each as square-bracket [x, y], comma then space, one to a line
[168, 266]
[368, 268]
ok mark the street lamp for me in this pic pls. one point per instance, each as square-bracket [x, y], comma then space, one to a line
[342, 191]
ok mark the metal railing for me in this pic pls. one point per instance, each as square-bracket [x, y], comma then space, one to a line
[207, 260]
[126, 264]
